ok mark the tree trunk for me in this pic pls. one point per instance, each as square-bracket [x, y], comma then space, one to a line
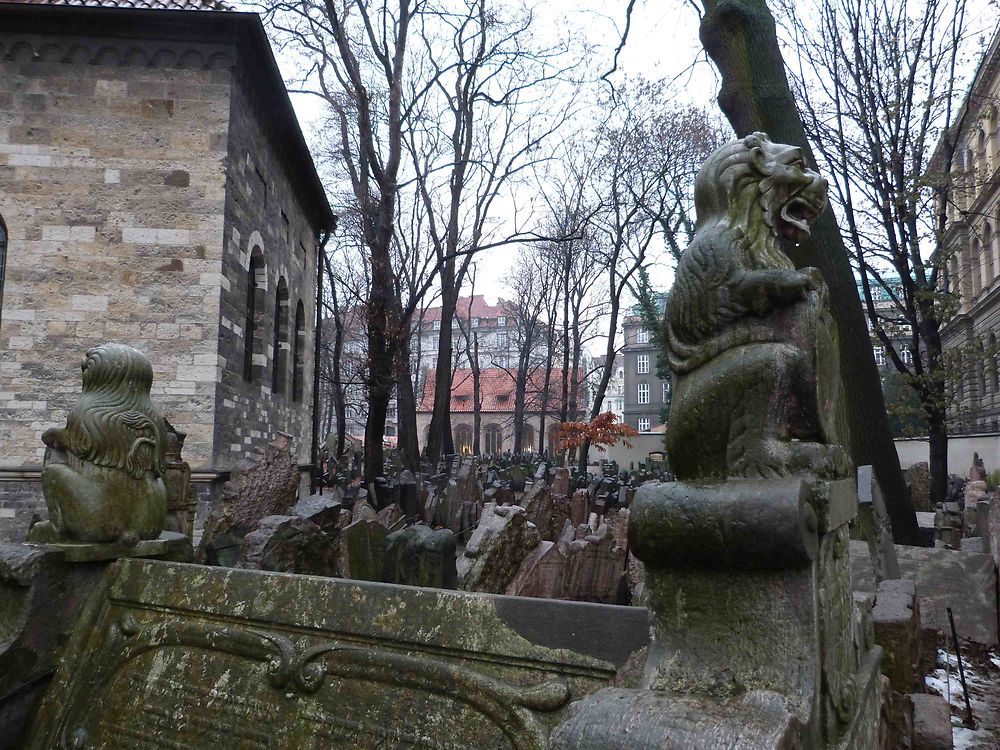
[406, 410]
[740, 37]
[477, 398]
[439, 437]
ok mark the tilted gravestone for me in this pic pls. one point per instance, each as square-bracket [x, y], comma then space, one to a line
[182, 656]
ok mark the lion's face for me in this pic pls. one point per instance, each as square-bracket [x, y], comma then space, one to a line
[792, 195]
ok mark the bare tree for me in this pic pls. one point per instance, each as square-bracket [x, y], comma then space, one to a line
[877, 85]
[492, 112]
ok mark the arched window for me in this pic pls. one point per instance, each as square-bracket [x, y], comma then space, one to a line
[991, 358]
[462, 434]
[527, 437]
[494, 438]
[3, 261]
[988, 254]
[974, 263]
[256, 286]
[299, 352]
[279, 374]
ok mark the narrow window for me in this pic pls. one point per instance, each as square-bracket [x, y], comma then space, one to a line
[3, 260]
[642, 336]
[642, 364]
[643, 424]
[256, 277]
[299, 353]
[278, 373]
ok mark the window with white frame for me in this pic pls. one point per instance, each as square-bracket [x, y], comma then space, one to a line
[642, 364]
[436, 325]
[642, 336]
[475, 322]
[906, 355]
[880, 356]
[666, 391]
[501, 322]
[502, 340]
[644, 424]
[643, 393]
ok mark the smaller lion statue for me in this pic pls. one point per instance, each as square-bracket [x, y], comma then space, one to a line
[749, 337]
[103, 472]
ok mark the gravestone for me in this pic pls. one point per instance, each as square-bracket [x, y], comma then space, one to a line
[361, 549]
[421, 556]
[289, 544]
[500, 543]
[171, 656]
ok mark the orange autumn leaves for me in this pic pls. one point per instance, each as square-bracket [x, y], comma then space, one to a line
[603, 431]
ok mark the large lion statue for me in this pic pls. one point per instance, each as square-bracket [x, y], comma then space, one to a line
[748, 337]
[103, 473]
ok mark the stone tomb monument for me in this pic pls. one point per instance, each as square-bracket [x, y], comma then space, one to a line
[756, 641]
[183, 656]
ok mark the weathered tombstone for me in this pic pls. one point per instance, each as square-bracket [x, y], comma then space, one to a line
[495, 552]
[873, 519]
[391, 516]
[756, 642]
[560, 484]
[265, 485]
[541, 573]
[978, 471]
[408, 497]
[361, 549]
[919, 480]
[181, 499]
[323, 510]
[175, 656]
[421, 556]
[579, 507]
[289, 544]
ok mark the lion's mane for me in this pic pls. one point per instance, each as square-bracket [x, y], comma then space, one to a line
[114, 424]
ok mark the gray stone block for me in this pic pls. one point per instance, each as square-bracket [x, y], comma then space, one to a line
[964, 581]
[931, 723]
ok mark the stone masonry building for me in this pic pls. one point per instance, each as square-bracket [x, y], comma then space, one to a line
[155, 190]
[974, 269]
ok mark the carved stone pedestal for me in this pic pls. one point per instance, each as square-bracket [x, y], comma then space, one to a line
[757, 642]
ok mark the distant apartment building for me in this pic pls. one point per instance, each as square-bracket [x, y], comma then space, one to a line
[477, 321]
[646, 394]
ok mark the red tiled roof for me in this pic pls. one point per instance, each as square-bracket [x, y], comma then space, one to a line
[496, 391]
[142, 4]
[480, 309]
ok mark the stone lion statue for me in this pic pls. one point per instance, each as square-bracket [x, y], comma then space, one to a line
[748, 337]
[103, 473]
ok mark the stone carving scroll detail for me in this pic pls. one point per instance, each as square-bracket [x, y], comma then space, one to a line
[509, 707]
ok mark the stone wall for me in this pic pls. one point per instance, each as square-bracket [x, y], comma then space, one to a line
[112, 165]
[263, 215]
[20, 500]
